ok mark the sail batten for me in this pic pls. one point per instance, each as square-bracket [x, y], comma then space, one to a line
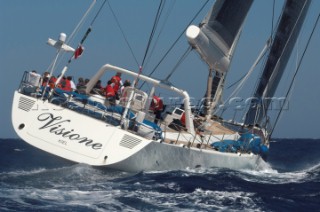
[287, 32]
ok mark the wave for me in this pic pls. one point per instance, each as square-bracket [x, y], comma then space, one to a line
[77, 169]
[22, 172]
[66, 199]
[81, 187]
[272, 176]
[313, 169]
[47, 183]
[265, 174]
[123, 199]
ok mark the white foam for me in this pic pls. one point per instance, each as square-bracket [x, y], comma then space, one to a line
[218, 198]
[19, 150]
[23, 172]
[63, 197]
[273, 177]
[313, 168]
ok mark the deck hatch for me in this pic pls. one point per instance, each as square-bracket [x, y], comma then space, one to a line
[129, 141]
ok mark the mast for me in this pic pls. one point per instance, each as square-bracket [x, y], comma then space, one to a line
[293, 15]
[215, 40]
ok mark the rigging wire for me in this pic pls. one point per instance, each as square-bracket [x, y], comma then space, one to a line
[246, 76]
[182, 58]
[259, 79]
[155, 24]
[83, 38]
[236, 82]
[273, 26]
[175, 42]
[295, 74]
[283, 50]
[263, 52]
[95, 17]
[123, 34]
[272, 21]
[161, 30]
[65, 68]
[88, 30]
[270, 40]
[91, 24]
[71, 37]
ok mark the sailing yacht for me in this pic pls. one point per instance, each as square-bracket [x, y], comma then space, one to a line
[86, 127]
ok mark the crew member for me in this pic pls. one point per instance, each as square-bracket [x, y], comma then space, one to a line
[157, 107]
[183, 119]
[110, 93]
[65, 84]
[116, 80]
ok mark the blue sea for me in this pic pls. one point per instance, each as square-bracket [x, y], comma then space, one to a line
[32, 180]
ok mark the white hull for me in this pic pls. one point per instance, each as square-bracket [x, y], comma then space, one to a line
[161, 156]
[83, 139]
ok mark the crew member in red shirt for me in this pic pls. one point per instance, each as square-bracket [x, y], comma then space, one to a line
[52, 82]
[157, 107]
[64, 84]
[116, 80]
[183, 119]
[110, 93]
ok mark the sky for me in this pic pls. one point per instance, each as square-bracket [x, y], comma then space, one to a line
[26, 26]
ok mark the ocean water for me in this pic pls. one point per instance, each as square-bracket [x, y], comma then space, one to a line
[32, 180]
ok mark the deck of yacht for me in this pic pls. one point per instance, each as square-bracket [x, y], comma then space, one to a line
[180, 136]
